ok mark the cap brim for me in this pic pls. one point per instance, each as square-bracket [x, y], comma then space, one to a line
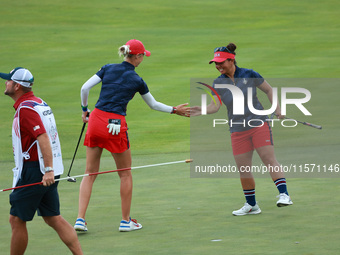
[147, 53]
[5, 76]
[218, 60]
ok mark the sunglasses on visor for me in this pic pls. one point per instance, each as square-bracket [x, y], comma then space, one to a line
[223, 49]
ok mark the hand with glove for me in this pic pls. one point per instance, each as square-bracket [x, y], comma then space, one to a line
[114, 126]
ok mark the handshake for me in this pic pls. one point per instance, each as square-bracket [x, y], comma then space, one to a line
[181, 110]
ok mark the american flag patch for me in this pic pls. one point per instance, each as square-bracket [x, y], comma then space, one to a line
[36, 128]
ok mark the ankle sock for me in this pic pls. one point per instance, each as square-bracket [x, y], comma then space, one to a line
[281, 185]
[250, 196]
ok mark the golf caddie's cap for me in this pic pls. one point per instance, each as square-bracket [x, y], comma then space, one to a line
[220, 56]
[137, 47]
[20, 75]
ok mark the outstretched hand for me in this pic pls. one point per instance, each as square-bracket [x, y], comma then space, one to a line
[182, 110]
[195, 111]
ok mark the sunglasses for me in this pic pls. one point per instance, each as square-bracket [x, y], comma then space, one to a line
[223, 49]
[30, 80]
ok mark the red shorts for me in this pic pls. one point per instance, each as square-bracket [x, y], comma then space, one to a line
[251, 139]
[98, 135]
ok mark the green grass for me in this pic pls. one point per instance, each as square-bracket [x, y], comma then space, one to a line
[182, 215]
[64, 43]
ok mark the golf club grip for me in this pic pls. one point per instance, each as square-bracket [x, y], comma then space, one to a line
[312, 125]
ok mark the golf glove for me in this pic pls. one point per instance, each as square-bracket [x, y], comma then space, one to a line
[114, 126]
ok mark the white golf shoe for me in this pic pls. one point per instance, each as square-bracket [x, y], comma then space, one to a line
[131, 225]
[80, 225]
[284, 200]
[247, 209]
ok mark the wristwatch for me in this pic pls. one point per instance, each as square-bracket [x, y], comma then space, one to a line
[174, 110]
[48, 169]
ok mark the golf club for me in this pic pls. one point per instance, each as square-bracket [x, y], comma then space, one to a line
[104, 172]
[75, 152]
[301, 122]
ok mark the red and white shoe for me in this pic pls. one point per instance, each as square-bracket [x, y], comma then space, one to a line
[131, 225]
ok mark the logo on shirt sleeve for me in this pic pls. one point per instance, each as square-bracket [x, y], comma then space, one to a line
[36, 128]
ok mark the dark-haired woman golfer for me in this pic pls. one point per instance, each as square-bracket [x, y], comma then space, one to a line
[250, 131]
[107, 128]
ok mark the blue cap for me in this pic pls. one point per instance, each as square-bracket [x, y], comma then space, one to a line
[20, 75]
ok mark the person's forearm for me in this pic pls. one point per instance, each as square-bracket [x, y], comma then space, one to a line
[85, 89]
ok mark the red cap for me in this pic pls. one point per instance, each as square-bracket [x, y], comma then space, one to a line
[137, 47]
[221, 56]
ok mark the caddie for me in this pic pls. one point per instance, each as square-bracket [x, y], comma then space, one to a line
[37, 156]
